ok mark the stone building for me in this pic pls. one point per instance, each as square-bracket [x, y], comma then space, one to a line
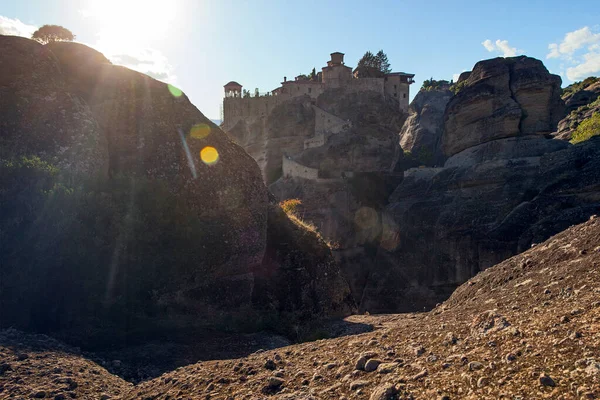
[335, 74]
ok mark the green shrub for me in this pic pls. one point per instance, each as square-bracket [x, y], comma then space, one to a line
[586, 129]
[432, 84]
[577, 86]
[457, 87]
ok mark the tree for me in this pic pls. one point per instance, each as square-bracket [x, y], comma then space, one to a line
[256, 92]
[367, 61]
[373, 65]
[313, 75]
[53, 33]
[245, 93]
[382, 62]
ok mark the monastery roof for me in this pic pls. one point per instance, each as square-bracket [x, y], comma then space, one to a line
[336, 65]
[303, 81]
[232, 83]
[400, 74]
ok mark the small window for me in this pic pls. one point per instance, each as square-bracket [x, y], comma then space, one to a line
[395, 86]
[404, 95]
[309, 90]
[395, 94]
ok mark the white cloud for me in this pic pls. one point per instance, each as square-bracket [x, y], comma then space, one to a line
[14, 27]
[455, 77]
[581, 50]
[589, 66]
[572, 42]
[148, 61]
[501, 46]
[489, 46]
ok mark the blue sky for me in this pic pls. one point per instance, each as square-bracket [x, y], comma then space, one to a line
[199, 45]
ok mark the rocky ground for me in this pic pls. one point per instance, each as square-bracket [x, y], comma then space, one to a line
[527, 328]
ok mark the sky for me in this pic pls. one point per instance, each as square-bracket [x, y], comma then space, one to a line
[200, 45]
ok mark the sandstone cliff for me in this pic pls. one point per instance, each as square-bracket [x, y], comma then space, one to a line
[422, 131]
[112, 221]
[501, 98]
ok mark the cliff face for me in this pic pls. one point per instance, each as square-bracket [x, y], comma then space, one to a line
[503, 188]
[281, 132]
[422, 131]
[502, 98]
[128, 210]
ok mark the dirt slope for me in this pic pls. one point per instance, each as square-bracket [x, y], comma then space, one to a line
[526, 328]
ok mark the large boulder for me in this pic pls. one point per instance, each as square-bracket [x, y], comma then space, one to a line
[422, 131]
[501, 98]
[125, 210]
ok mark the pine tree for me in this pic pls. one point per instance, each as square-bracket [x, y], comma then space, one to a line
[367, 61]
[382, 62]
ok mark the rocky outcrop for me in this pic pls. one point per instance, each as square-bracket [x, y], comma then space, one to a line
[440, 230]
[422, 131]
[126, 210]
[501, 98]
[581, 105]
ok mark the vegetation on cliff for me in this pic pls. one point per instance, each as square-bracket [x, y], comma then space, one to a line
[578, 86]
[586, 129]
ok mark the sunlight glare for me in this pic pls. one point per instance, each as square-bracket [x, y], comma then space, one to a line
[131, 22]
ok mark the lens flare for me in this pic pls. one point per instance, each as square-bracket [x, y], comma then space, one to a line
[366, 218]
[209, 155]
[175, 92]
[200, 131]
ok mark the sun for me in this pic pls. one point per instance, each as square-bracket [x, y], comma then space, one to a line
[131, 23]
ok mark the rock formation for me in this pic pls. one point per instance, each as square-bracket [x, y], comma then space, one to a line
[581, 104]
[345, 203]
[127, 211]
[502, 98]
[504, 187]
[422, 131]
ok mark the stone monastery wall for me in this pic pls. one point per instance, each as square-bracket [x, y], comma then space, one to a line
[366, 84]
[325, 124]
[328, 123]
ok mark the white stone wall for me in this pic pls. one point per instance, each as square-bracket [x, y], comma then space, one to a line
[421, 173]
[316, 141]
[292, 169]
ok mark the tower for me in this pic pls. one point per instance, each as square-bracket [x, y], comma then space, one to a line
[233, 89]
